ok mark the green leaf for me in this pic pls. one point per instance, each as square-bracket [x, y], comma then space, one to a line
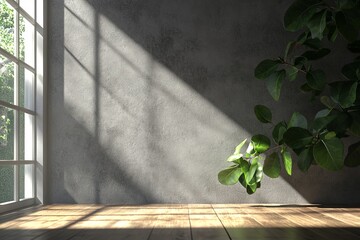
[279, 131]
[354, 46]
[298, 14]
[327, 102]
[297, 137]
[350, 70]
[250, 174]
[242, 181]
[306, 88]
[229, 176]
[340, 124]
[297, 120]
[345, 27]
[329, 135]
[272, 167]
[266, 68]
[329, 154]
[287, 160]
[238, 147]
[234, 157]
[343, 92]
[353, 157]
[289, 48]
[291, 73]
[263, 114]
[317, 24]
[321, 123]
[355, 123]
[274, 83]
[332, 34]
[244, 165]
[251, 189]
[316, 79]
[315, 55]
[305, 159]
[260, 143]
[259, 172]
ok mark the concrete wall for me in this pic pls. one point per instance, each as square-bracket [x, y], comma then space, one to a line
[148, 98]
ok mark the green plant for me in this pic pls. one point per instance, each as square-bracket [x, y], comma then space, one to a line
[320, 141]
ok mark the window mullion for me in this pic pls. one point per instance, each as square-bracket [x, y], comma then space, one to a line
[16, 102]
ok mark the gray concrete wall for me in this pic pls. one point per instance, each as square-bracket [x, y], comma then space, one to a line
[148, 98]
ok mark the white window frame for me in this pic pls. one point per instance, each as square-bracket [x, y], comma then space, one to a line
[38, 112]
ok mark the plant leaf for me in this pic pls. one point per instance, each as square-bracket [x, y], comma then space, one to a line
[291, 73]
[259, 172]
[355, 123]
[279, 131]
[298, 14]
[343, 92]
[297, 137]
[329, 154]
[250, 174]
[305, 159]
[260, 143]
[272, 167]
[229, 176]
[263, 114]
[315, 55]
[238, 147]
[316, 79]
[317, 24]
[353, 157]
[350, 70]
[274, 83]
[345, 27]
[297, 120]
[289, 48]
[321, 123]
[287, 160]
[265, 68]
[234, 157]
[340, 124]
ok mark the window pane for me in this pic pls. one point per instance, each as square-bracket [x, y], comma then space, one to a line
[26, 88]
[26, 138]
[7, 69]
[7, 26]
[6, 183]
[26, 181]
[28, 6]
[26, 48]
[7, 129]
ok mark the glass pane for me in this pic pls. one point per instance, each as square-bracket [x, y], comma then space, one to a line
[26, 138]
[28, 6]
[26, 48]
[26, 181]
[7, 130]
[7, 27]
[26, 88]
[7, 69]
[6, 184]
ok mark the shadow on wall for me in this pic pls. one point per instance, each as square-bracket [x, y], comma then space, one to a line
[154, 94]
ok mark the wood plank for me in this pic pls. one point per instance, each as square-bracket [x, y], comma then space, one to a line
[205, 224]
[173, 223]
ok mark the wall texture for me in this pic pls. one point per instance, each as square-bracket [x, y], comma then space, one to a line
[147, 98]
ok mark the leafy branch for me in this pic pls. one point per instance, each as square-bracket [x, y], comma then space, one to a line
[319, 141]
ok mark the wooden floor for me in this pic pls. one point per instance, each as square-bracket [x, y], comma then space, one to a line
[192, 222]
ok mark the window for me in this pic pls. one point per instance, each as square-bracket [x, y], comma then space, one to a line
[21, 102]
